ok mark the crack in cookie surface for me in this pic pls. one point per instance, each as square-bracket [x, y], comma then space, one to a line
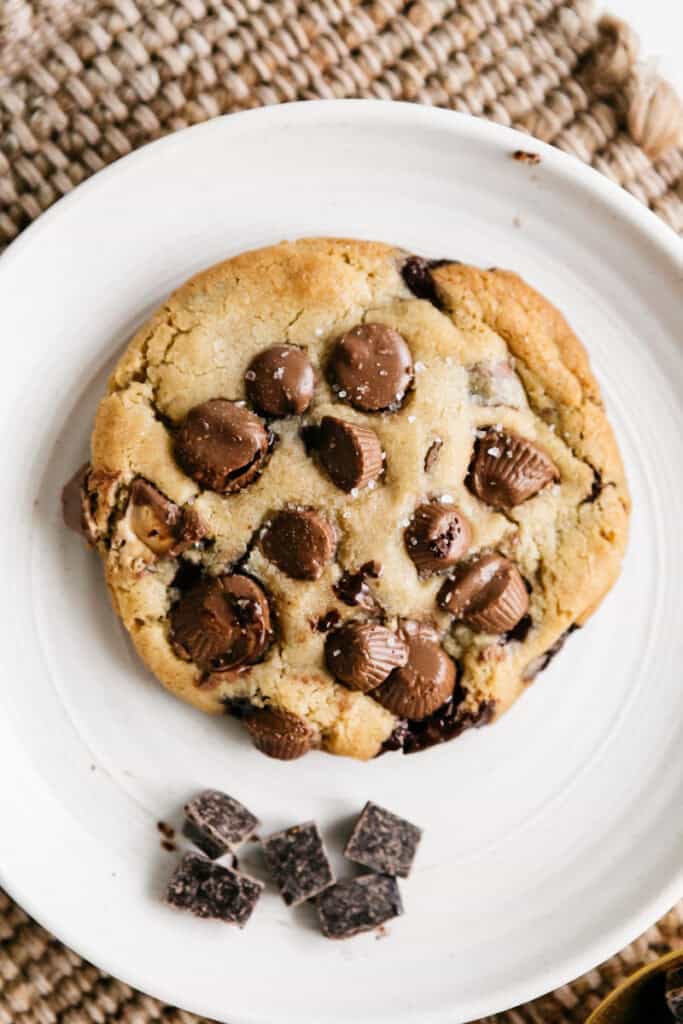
[308, 295]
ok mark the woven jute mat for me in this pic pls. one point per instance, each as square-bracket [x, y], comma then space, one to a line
[83, 82]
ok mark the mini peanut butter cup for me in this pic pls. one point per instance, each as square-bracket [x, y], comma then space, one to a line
[487, 594]
[423, 684]
[350, 453]
[222, 624]
[279, 734]
[159, 523]
[507, 469]
[437, 537]
[300, 542]
[371, 367]
[280, 381]
[221, 445]
[362, 654]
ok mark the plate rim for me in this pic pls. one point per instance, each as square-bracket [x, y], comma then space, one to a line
[463, 127]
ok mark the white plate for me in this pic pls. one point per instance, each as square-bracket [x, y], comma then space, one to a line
[552, 838]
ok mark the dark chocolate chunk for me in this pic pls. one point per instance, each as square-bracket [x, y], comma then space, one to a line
[279, 734]
[352, 588]
[446, 724]
[437, 537]
[383, 841]
[507, 469]
[424, 683]
[297, 860]
[159, 523]
[358, 905]
[362, 654]
[210, 890]
[280, 381]
[371, 367]
[351, 453]
[487, 594]
[543, 660]
[222, 623]
[520, 632]
[417, 275]
[433, 454]
[216, 822]
[596, 487]
[673, 985]
[222, 445]
[300, 542]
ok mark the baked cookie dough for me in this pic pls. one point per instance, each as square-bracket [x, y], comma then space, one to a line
[352, 496]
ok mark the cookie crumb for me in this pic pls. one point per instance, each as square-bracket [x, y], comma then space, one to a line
[524, 157]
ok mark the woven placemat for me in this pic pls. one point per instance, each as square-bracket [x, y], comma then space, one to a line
[83, 82]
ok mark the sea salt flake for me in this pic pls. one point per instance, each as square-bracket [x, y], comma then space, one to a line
[420, 366]
[354, 492]
[279, 373]
[319, 332]
[494, 452]
[446, 499]
[411, 419]
[250, 375]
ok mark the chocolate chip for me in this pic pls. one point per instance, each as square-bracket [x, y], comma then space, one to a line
[358, 905]
[216, 822]
[423, 684]
[300, 542]
[297, 860]
[362, 654]
[416, 273]
[487, 594]
[596, 487]
[673, 986]
[221, 445]
[437, 537]
[351, 453]
[159, 523]
[211, 891]
[371, 367]
[383, 841]
[327, 621]
[279, 734]
[222, 623]
[352, 588]
[280, 381]
[507, 469]
[541, 662]
[432, 454]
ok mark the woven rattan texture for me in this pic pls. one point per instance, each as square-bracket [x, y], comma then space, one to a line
[83, 82]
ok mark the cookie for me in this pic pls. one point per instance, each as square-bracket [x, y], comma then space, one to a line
[351, 496]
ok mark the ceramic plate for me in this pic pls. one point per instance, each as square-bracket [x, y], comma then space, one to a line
[553, 837]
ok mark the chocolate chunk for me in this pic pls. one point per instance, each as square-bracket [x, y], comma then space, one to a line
[596, 487]
[437, 537]
[423, 684]
[507, 469]
[280, 381]
[211, 890]
[487, 594]
[222, 445]
[222, 623]
[216, 822]
[327, 621]
[541, 662]
[159, 523]
[351, 453]
[300, 542]
[362, 654]
[383, 842]
[446, 723]
[494, 382]
[673, 986]
[352, 588]
[371, 367]
[279, 734]
[432, 454]
[520, 632]
[417, 275]
[358, 905]
[297, 860]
